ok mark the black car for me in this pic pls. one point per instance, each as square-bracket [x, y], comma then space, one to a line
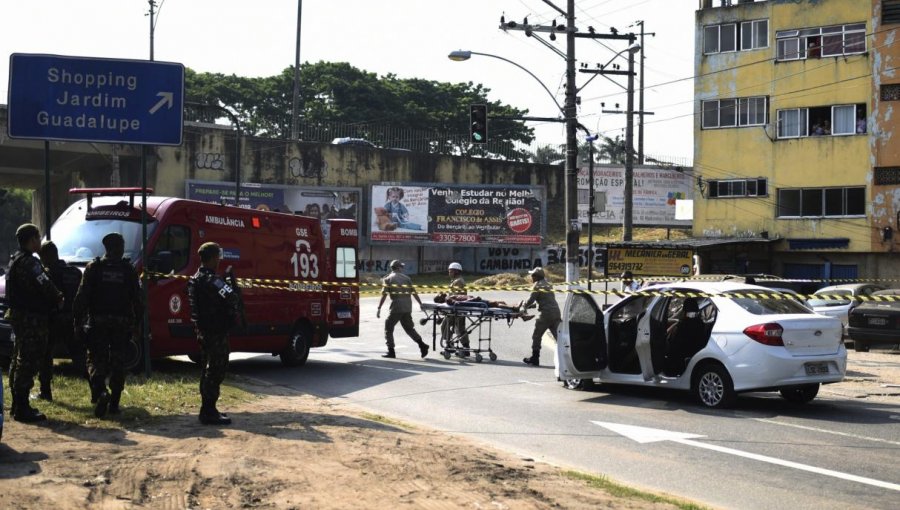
[876, 322]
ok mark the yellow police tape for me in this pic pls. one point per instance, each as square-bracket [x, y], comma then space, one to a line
[325, 287]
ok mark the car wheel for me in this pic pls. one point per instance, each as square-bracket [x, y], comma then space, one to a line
[297, 351]
[578, 384]
[712, 386]
[800, 394]
[860, 347]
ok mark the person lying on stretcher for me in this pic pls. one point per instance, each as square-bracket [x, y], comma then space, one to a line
[457, 299]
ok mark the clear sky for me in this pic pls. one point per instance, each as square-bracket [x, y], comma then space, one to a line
[409, 38]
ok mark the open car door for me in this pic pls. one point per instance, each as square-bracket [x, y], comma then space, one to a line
[581, 350]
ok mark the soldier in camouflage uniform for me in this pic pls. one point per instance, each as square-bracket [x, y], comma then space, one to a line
[67, 279]
[549, 318]
[215, 308]
[32, 297]
[455, 328]
[109, 301]
[400, 288]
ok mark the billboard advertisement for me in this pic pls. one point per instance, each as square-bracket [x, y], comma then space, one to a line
[320, 202]
[457, 214]
[650, 261]
[656, 190]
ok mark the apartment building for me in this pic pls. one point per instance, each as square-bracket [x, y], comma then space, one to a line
[794, 133]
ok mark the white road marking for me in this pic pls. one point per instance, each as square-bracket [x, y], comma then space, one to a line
[529, 382]
[826, 431]
[895, 417]
[648, 435]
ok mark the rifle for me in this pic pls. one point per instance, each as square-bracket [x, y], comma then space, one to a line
[232, 281]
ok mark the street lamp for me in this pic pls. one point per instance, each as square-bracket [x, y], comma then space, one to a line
[463, 55]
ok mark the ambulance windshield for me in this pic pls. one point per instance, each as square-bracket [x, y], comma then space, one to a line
[80, 240]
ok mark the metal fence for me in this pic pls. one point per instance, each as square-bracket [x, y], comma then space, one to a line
[454, 144]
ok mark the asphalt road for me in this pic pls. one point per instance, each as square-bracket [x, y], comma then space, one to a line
[834, 453]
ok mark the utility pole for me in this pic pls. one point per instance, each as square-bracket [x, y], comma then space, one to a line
[295, 114]
[641, 95]
[628, 195]
[152, 22]
[573, 225]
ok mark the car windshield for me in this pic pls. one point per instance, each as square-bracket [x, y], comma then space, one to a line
[832, 302]
[767, 305]
[80, 240]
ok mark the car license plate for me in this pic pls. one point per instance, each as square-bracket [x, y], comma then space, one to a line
[816, 368]
[345, 314]
[877, 321]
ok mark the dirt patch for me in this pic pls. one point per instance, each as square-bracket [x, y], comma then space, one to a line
[284, 451]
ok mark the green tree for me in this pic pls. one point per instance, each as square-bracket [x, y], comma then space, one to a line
[613, 149]
[336, 93]
[15, 209]
[550, 154]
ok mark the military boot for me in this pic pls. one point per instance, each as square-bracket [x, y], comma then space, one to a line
[25, 413]
[423, 348]
[535, 359]
[114, 398]
[102, 403]
[46, 393]
[209, 415]
[389, 354]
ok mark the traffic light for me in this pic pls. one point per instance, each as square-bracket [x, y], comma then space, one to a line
[478, 123]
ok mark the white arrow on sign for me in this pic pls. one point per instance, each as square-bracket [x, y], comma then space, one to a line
[167, 97]
[647, 435]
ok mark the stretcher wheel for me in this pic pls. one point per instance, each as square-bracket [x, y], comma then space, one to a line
[493, 356]
[478, 358]
[446, 354]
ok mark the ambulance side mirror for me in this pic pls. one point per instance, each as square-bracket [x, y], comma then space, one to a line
[162, 262]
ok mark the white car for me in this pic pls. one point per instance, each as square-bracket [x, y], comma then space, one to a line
[838, 300]
[732, 343]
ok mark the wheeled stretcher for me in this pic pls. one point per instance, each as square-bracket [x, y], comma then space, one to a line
[447, 328]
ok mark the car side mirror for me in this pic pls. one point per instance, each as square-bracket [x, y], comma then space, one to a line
[162, 262]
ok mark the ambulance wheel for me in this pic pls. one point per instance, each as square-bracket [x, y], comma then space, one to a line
[493, 356]
[133, 355]
[297, 351]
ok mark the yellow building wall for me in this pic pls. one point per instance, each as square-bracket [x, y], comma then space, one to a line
[885, 121]
[747, 152]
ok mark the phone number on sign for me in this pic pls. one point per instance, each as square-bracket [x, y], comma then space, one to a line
[455, 238]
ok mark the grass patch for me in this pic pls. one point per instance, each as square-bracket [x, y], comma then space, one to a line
[386, 421]
[172, 389]
[622, 491]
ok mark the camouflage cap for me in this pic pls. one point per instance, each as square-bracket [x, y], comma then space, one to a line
[113, 239]
[209, 250]
[537, 272]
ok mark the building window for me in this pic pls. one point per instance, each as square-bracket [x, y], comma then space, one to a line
[737, 188]
[720, 38]
[820, 42]
[754, 34]
[890, 12]
[836, 120]
[744, 111]
[821, 202]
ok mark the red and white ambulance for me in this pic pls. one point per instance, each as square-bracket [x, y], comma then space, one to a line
[298, 277]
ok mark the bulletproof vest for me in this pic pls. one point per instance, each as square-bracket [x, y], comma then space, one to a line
[22, 286]
[206, 295]
[67, 279]
[112, 290]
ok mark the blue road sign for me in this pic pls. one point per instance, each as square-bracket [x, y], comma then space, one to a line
[54, 97]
